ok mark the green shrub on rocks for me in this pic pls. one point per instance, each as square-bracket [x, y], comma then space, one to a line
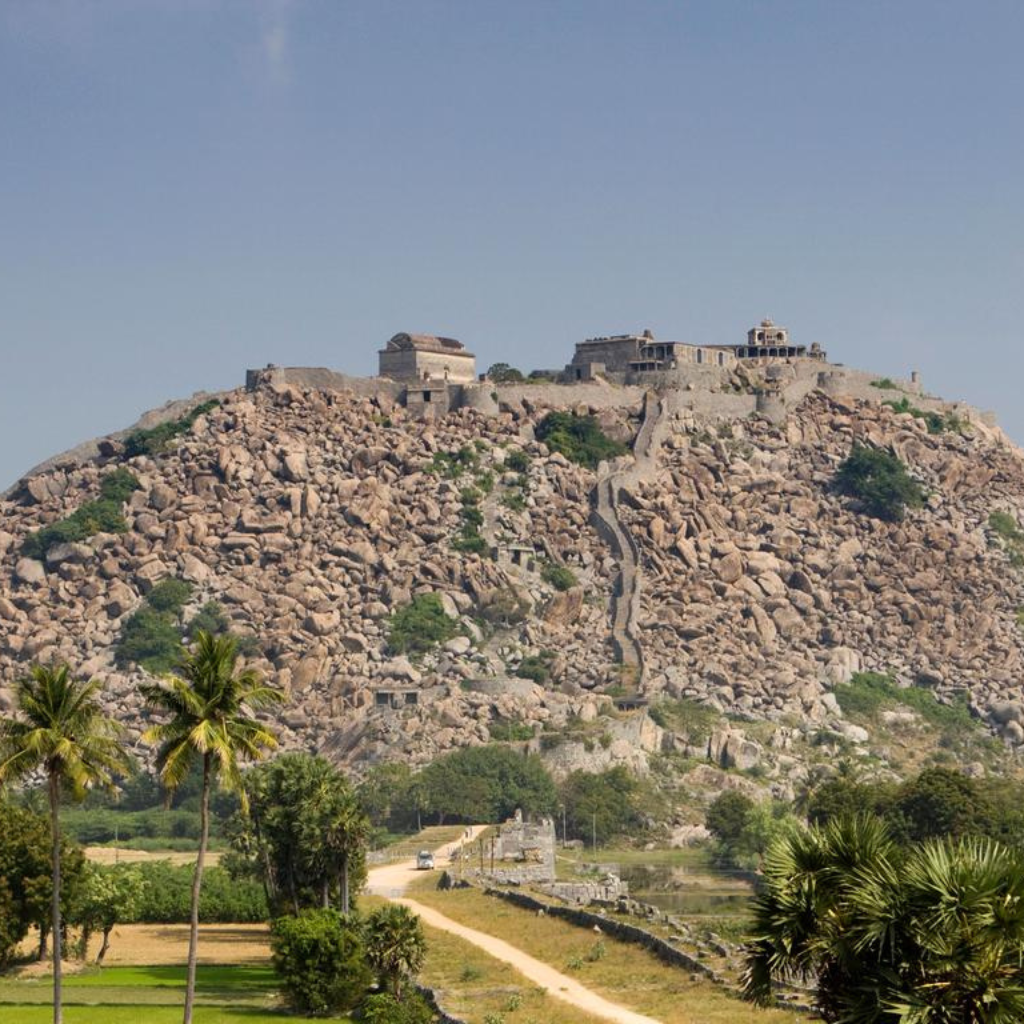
[155, 440]
[558, 576]
[579, 438]
[935, 422]
[102, 515]
[880, 481]
[420, 625]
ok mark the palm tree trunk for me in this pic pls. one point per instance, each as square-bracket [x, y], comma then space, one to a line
[197, 882]
[58, 1011]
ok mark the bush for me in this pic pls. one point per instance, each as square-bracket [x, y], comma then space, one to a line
[504, 607]
[880, 482]
[100, 516]
[517, 461]
[118, 485]
[579, 438]
[154, 440]
[384, 1008]
[514, 501]
[210, 619]
[170, 595]
[150, 639]
[321, 961]
[1004, 526]
[535, 667]
[885, 384]
[558, 576]
[688, 717]
[867, 693]
[223, 899]
[152, 636]
[420, 625]
[935, 422]
[453, 464]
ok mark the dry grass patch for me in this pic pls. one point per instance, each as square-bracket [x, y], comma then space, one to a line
[473, 985]
[119, 855]
[623, 973]
[151, 945]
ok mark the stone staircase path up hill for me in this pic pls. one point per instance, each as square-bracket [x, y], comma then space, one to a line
[612, 478]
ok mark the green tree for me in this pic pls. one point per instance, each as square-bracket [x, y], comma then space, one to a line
[602, 805]
[928, 934]
[486, 784]
[420, 625]
[109, 896]
[26, 875]
[388, 795]
[304, 835]
[502, 373]
[395, 945]
[209, 706]
[384, 1008]
[333, 834]
[940, 802]
[321, 960]
[60, 729]
[727, 816]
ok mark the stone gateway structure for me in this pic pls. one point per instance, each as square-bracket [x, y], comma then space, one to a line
[412, 358]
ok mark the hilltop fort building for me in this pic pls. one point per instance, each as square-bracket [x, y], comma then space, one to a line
[628, 357]
[412, 358]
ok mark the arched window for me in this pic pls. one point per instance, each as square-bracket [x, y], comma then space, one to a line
[700, 355]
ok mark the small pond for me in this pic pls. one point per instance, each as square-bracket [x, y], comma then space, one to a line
[688, 891]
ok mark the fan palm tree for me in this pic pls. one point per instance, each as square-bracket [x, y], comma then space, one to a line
[209, 706]
[395, 946]
[334, 830]
[929, 935]
[61, 730]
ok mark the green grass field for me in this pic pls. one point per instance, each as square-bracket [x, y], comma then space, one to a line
[224, 995]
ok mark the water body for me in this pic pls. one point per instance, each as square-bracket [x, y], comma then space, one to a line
[689, 893]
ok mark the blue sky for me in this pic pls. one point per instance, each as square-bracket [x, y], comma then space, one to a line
[191, 187]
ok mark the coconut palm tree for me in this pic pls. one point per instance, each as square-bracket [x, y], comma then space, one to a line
[60, 729]
[395, 946]
[209, 708]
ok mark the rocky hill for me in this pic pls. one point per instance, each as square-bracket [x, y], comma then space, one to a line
[714, 598]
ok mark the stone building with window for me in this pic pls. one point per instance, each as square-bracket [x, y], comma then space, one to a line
[410, 358]
[770, 341]
[627, 355]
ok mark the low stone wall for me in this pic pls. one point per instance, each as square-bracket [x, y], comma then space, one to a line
[663, 950]
[443, 1016]
[320, 378]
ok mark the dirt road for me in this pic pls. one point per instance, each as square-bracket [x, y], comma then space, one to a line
[391, 881]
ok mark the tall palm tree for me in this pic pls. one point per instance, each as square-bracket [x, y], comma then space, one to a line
[209, 706]
[333, 831]
[395, 946]
[60, 729]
